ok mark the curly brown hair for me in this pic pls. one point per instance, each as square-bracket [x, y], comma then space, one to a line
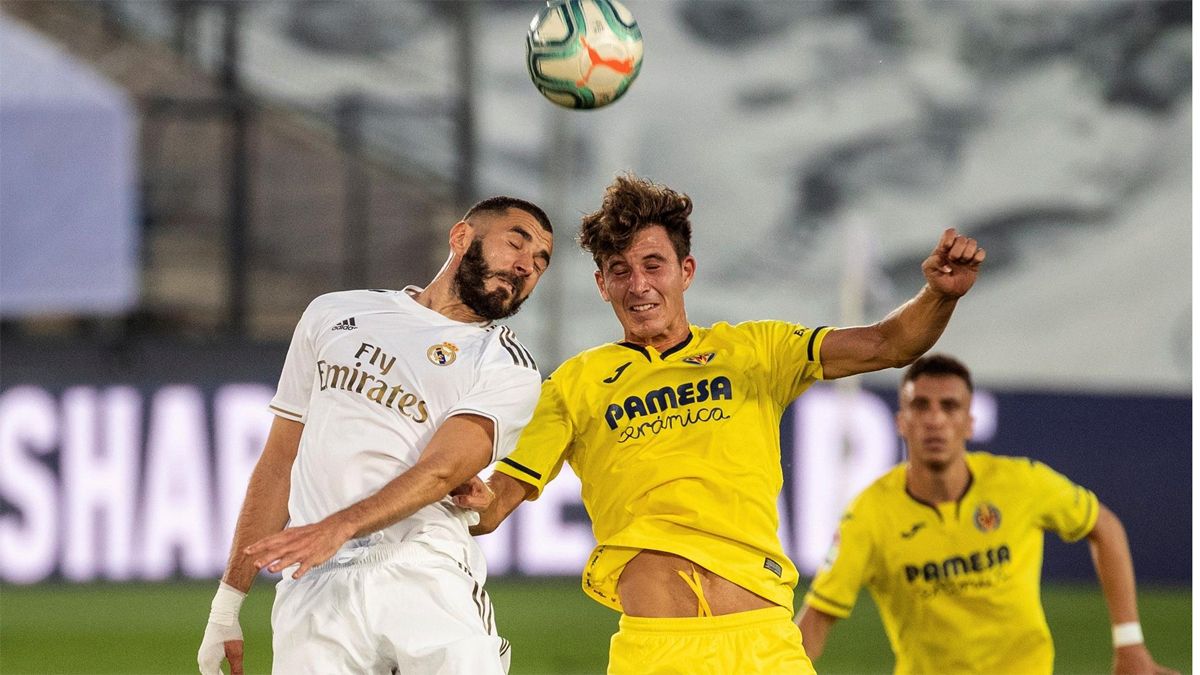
[632, 204]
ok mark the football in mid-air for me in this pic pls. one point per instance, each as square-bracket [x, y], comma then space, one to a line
[583, 53]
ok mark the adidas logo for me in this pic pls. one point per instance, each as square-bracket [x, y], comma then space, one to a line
[345, 324]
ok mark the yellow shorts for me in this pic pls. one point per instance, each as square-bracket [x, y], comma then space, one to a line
[759, 641]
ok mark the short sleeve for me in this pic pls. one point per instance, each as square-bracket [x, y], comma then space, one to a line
[539, 454]
[506, 395]
[299, 370]
[1067, 509]
[792, 353]
[835, 588]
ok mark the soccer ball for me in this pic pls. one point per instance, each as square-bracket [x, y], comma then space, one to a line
[583, 53]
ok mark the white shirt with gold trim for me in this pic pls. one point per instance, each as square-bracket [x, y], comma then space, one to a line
[371, 375]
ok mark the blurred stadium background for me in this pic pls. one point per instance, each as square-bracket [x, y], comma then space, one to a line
[179, 177]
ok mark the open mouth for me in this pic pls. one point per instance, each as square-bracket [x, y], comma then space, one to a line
[637, 309]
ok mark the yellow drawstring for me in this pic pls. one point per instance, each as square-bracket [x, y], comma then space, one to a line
[693, 582]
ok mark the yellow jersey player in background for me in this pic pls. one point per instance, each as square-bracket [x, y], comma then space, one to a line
[950, 546]
[674, 433]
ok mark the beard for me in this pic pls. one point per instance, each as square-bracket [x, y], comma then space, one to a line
[470, 283]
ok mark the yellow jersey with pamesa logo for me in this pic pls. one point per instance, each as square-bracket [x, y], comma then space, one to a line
[958, 584]
[677, 451]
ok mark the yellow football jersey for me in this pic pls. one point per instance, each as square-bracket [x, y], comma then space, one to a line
[958, 584]
[678, 451]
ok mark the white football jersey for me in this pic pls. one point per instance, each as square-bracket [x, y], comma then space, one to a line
[372, 374]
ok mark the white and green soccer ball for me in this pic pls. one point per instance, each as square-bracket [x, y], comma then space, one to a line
[583, 53]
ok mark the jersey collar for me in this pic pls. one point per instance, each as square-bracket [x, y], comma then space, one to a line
[957, 502]
[411, 291]
[645, 351]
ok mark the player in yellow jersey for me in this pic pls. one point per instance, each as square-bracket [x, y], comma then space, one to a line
[950, 546]
[674, 433]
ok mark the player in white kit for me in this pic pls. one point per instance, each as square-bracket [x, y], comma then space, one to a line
[387, 401]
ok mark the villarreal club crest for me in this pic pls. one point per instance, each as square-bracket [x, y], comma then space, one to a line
[987, 517]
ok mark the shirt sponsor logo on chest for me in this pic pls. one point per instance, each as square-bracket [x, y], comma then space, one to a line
[669, 407]
[366, 378]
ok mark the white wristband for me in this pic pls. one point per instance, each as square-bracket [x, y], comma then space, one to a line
[1126, 634]
[226, 605]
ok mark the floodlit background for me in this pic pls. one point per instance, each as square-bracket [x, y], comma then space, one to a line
[178, 178]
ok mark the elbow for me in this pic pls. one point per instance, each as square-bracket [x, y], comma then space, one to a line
[436, 480]
[895, 358]
[892, 350]
[902, 352]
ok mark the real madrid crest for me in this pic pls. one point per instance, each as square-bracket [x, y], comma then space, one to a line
[442, 354]
[987, 517]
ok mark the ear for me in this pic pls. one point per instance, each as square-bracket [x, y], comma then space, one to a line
[600, 285]
[461, 236]
[689, 271]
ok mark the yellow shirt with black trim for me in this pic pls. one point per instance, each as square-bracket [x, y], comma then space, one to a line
[958, 584]
[678, 451]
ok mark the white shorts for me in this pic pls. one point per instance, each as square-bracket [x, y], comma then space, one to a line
[396, 608]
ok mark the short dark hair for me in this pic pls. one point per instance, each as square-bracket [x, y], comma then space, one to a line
[632, 204]
[499, 205]
[938, 365]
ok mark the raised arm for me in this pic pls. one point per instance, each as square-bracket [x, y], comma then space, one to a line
[459, 449]
[1114, 568]
[814, 630]
[264, 512]
[912, 328]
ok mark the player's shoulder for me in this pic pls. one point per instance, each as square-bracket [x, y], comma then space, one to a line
[346, 306]
[599, 356]
[870, 510]
[595, 367]
[1011, 474]
[743, 333]
[762, 331]
[503, 349]
[882, 493]
[749, 328]
[354, 300]
[985, 465]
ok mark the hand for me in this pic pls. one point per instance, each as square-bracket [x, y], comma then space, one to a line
[953, 265]
[474, 495]
[223, 634]
[219, 645]
[1136, 660]
[308, 545]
